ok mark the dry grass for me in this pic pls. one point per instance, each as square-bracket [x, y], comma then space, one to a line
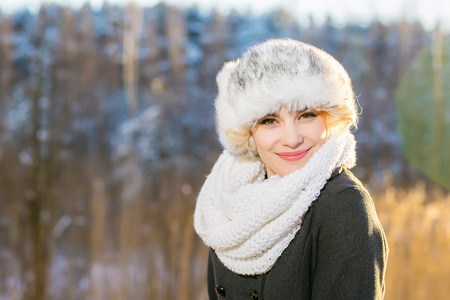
[134, 247]
[418, 232]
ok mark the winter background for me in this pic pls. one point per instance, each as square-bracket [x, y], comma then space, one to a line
[107, 134]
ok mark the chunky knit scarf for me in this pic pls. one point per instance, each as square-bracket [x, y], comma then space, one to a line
[249, 220]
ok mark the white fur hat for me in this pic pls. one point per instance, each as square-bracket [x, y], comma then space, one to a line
[277, 73]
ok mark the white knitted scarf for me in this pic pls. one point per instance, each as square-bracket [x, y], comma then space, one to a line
[249, 220]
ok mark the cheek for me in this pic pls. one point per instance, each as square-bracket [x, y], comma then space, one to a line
[318, 132]
[322, 135]
[264, 139]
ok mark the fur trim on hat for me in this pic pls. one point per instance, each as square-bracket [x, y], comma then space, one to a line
[277, 73]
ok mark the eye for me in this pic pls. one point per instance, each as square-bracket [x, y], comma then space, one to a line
[307, 115]
[268, 121]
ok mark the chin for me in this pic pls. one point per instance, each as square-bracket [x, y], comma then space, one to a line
[291, 169]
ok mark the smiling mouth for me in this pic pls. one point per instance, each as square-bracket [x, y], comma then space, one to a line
[293, 156]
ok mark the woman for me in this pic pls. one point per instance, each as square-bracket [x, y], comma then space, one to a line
[281, 212]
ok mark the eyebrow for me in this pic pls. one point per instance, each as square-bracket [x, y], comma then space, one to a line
[297, 111]
[303, 110]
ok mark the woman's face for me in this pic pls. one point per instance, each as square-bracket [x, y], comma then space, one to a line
[286, 140]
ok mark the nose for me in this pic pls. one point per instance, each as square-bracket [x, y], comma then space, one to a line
[291, 136]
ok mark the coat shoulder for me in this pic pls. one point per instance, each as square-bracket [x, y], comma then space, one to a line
[343, 181]
[344, 197]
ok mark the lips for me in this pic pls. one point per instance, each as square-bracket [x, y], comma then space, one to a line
[293, 156]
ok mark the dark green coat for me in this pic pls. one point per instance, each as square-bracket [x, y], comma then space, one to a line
[340, 252]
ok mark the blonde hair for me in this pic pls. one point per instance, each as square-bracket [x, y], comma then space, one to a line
[241, 138]
[337, 119]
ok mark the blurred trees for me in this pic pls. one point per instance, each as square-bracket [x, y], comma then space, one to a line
[107, 132]
[423, 110]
